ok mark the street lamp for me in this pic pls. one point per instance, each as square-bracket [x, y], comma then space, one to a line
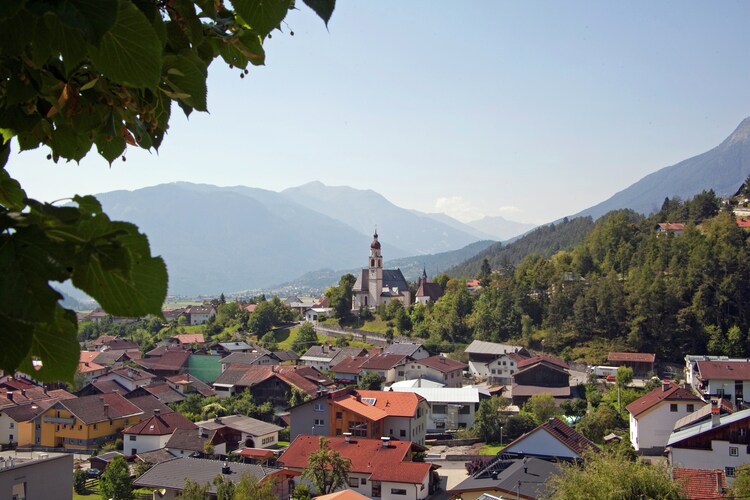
[501, 436]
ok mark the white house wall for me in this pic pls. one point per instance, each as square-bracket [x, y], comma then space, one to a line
[728, 387]
[716, 458]
[541, 442]
[415, 491]
[142, 444]
[655, 426]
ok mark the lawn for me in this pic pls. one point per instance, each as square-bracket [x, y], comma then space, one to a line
[490, 449]
[375, 326]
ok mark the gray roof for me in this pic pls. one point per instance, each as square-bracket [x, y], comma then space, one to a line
[482, 347]
[172, 473]
[188, 439]
[392, 278]
[399, 348]
[241, 423]
[155, 456]
[324, 353]
[242, 358]
[509, 473]
[235, 346]
[705, 426]
[444, 394]
[287, 355]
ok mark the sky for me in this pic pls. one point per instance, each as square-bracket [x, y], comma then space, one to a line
[529, 110]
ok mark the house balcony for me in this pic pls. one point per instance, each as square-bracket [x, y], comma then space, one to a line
[59, 420]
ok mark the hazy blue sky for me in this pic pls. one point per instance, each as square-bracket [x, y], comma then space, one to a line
[530, 110]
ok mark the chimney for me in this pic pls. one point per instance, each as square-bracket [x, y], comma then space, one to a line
[715, 414]
[665, 385]
[200, 431]
[157, 412]
[106, 410]
[348, 437]
[719, 488]
[225, 469]
[9, 395]
[385, 441]
[23, 392]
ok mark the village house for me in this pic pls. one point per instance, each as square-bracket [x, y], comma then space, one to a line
[654, 415]
[691, 367]
[369, 414]
[43, 475]
[484, 357]
[719, 443]
[171, 362]
[153, 432]
[315, 314]
[199, 315]
[84, 423]
[427, 291]
[192, 443]
[88, 367]
[187, 384]
[553, 438]
[168, 478]
[723, 379]
[188, 340]
[248, 359]
[450, 408]
[540, 375]
[272, 384]
[411, 349]
[642, 363]
[19, 408]
[240, 431]
[128, 377]
[375, 286]
[379, 468]
[436, 368]
[389, 367]
[701, 484]
[508, 476]
[324, 357]
[665, 228]
[226, 348]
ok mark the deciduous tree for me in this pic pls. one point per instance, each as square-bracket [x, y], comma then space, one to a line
[327, 469]
[115, 483]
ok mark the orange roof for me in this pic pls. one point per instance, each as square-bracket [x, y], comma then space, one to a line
[394, 404]
[743, 223]
[343, 495]
[648, 401]
[370, 412]
[701, 484]
[405, 472]
[258, 453]
[86, 362]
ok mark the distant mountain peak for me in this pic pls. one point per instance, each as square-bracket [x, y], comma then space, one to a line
[741, 133]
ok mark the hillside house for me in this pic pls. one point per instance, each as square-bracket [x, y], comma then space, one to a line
[450, 408]
[379, 468]
[271, 383]
[719, 443]
[324, 357]
[642, 363]
[553, 438]
[540, 375]
[653, 416]
[171, 362]
[240, 431]
[674, 228]
[436, 368]
[723, 379]
[248, 359]
[411, 349]
[199, 315]
[192, 443]
[487, 356]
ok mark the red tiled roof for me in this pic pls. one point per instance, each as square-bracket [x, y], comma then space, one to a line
[383, 361]
[160, 425]
[672, 226]
[104, 339]
[633, 357]
[368, 456]
[350, 364]
[305, 378]
[648, 401]
[442, 363]
[251, 308]
[726, 370]
[395, 404]
[523, 363]
[257, 453]
[568, 436]
[701, 484]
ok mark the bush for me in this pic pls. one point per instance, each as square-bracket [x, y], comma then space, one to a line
[79, 481]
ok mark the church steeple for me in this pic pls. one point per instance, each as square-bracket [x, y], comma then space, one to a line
[376, 270]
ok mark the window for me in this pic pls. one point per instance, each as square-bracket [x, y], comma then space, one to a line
[132, 437]
[364, 481]
[376, 489]
[402, 433]
[729, 471]
[438, 409]
[494, 372]
[358, 429]
[673, 408]
[319, 407]
[401, 373]
[398, 491]
[353, 482]
[465, 410]
[733, 451]
[440, 425]
[338, 415]
[11, 425]
[319, 422]
[10, 438]
[690, 408]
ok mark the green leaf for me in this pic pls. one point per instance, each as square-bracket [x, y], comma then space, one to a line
[17, 337]
[4, 149]
[9, 8]
[26, 268]
[130, 53]
[16, 33]
[187, 74]
[263, 16]
[54, 351]
[323, 8]
[119, 272]
[11, 195]
[70, 143]
[69, 42]
[93, 17]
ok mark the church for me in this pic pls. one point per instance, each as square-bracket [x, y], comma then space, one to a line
[376, 285]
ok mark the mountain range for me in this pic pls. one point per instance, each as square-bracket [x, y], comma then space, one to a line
[723, 169]
[230, 239]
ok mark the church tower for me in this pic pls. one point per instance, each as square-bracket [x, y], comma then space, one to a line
[375, 277]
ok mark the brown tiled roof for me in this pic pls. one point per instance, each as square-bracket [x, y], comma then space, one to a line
[368, 456]
[384, 361]
[648, 401]
[121, 345]
[160, 390]
[442, 363]
[188, 439]
[568, 436]
[109, 386]
[103, 339]
[28, 411]
[729, 370]
[189, 338]
[132, 373]
[169, 361]
[539, 358]
[431, 290]
[185, 379]
[350, 364]
[160, 425]
[305, 378]
[155, 456]
[148, 403]
[633, 357]
[700, 484]
[91, 409]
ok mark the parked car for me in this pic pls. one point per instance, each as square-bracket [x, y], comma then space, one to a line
[93, 472]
